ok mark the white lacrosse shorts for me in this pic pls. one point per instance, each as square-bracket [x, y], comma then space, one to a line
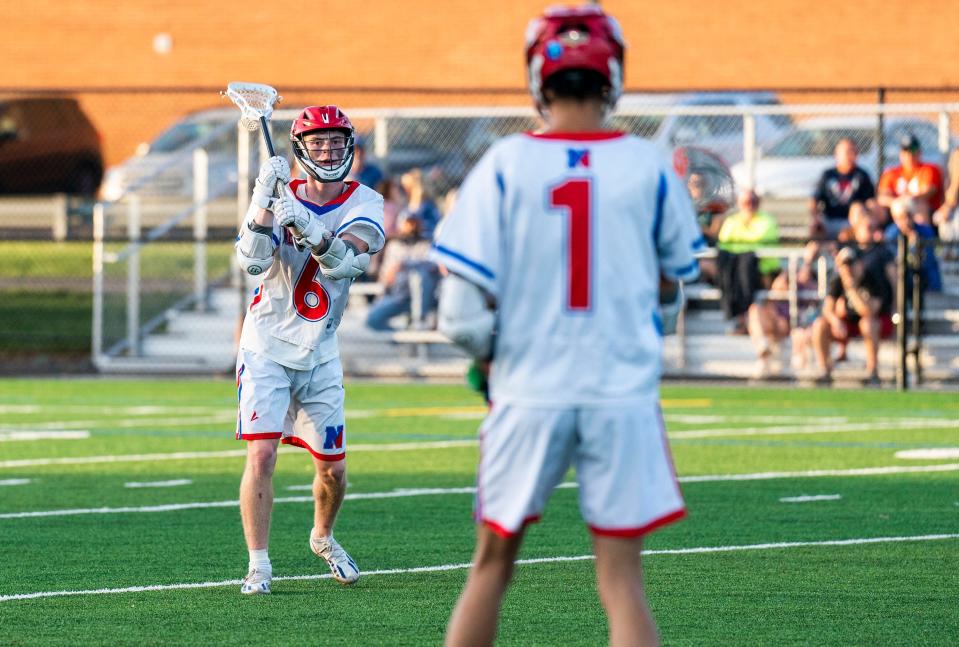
[627, 482]
[302, 408]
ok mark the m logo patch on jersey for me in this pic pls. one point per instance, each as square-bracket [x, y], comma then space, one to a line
[334, 437]
[576, 158]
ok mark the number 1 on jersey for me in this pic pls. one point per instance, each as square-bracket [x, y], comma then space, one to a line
[573, 196]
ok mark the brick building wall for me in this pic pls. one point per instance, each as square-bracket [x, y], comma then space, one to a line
[452, 45]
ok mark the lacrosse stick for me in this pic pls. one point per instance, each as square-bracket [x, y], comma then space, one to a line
[255, 101]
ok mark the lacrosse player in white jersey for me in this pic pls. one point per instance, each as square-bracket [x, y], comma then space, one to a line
[307, 246]
[564, 252]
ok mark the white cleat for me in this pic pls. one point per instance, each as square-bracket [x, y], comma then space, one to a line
[344, 569]
[256, 582]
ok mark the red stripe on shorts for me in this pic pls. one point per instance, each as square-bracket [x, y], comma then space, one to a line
[331, 458]
[642, 530]
[507, 534]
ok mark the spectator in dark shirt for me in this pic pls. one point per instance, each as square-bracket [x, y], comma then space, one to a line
[839, 187]
[859, 302]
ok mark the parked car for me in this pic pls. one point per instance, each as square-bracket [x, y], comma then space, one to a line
[790, 167]
[48, 145]
[721, 134]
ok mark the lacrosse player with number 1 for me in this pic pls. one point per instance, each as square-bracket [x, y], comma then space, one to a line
[569, 244]
[307, 245]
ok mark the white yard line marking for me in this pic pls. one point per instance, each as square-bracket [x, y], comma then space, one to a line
[700, 550]
[227, 453]
[146, 484]
[921, 423]
[14, 481]
[409, 492]
[930, 453]
[806, 498]
[861, 471]
[27, 434]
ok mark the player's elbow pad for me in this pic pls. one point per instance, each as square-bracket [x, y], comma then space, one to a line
[465, 317]
[341, 261]
[254, 250]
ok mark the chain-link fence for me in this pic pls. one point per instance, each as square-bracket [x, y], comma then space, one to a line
[167, 290]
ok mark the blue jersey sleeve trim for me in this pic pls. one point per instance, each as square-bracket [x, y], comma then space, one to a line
[363, 219]
[660, 204]
[700, 244]
[482, 269]
[690, 269]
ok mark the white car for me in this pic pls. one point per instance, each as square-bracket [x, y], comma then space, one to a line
[721, 134]
[791, 167]
[164, 166]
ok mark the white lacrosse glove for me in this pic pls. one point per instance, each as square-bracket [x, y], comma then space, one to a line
[307, 229]
[276, 169]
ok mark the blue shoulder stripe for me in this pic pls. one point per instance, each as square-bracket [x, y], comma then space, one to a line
[479, 267]
[660, 205]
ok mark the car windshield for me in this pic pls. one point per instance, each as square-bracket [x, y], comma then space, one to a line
[182, 135]
[820, 142]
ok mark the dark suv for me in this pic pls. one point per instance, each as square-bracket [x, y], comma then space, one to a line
[47, 145]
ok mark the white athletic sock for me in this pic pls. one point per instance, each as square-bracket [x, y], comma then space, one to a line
[260, 560]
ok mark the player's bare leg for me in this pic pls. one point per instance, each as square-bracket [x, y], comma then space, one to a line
[329, 488]
[476, 614]
[620, 580]
[256, 506]
[256, 492]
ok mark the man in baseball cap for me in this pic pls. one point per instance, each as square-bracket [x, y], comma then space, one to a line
[913, 186]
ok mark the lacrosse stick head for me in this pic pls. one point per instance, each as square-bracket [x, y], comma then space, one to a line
[707, 178]
[255, 101]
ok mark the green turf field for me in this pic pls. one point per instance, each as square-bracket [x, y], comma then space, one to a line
[807, 524]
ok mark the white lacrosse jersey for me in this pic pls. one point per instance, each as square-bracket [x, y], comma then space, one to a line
[294, 313]
[569, 234]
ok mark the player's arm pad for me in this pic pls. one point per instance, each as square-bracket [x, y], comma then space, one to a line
[255, 248]
[670, 306]
[341, 260]
[465, 317]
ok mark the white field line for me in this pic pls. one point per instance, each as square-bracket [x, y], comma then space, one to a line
[28, 434]
[14, 482]
[806, 498]
[931, 453]
[148, 484]
[859, 471]
[920, 423]
[227, 453]
[214, 419]
[700, 550]
[409, 492]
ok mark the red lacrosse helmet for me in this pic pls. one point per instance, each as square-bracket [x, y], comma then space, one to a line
[566, 38]
[334, 164]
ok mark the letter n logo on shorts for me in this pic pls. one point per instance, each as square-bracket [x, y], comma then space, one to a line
[334, 438]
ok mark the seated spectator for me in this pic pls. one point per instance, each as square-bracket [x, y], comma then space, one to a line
[858, 302]
[740, 272]
[420, 202]
[920, 239]
[946, 218]
[769, 323]
[914, 184]
[363, 171]
[837, 189]
[409, 279]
